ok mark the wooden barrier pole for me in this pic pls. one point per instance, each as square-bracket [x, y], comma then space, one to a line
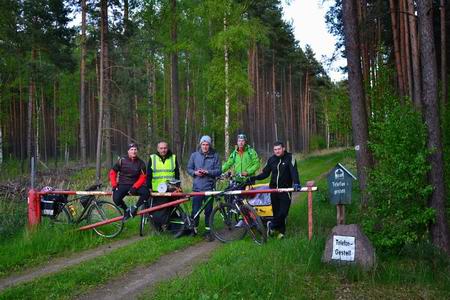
[310, 184]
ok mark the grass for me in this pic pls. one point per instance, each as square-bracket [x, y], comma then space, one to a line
[292, 268]
[13, 216]
[22, 248]
[78, 279]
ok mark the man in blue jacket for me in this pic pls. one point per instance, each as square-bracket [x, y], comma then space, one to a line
[204, 166]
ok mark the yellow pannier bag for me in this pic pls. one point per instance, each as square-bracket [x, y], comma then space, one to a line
[261, 202]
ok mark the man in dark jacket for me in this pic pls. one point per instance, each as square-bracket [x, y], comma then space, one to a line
[284, 171]
[162, 166]
[127, 177]
[204, 166]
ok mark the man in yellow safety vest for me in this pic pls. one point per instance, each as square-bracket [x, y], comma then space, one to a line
[162, 166]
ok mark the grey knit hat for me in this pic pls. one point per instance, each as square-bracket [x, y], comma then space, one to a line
[205, 139]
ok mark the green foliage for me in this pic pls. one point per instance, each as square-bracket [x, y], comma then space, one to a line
[13, 217]
[292, 268]
[68, 118]
[337, 114]
[317, 142]
[398, 214]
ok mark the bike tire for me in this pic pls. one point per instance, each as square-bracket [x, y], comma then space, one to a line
[176, 223]
[223, 221]
[254, 224]
[63, 216]
[147, 227]
[103, 210]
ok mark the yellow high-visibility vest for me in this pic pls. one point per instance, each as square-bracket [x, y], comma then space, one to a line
[162, 171]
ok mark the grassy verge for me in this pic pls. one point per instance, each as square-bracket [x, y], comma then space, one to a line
[78, 279]
[292, 268]
[21, 249]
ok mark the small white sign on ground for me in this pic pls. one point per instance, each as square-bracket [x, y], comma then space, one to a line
[343, 248]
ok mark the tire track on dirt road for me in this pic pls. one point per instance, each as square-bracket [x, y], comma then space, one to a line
[133, 283]
[58, 264]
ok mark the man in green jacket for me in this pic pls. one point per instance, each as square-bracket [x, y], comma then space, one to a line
[244, 159]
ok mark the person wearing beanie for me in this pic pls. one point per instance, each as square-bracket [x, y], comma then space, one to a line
[204, 167]
[128, 177]
[243, 160]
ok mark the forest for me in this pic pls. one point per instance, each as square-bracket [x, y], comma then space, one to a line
[81, 79]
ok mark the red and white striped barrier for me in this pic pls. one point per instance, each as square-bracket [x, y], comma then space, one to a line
[34, 214]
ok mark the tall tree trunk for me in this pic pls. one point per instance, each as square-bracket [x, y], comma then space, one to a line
[187, 111]
[357, 96]
[407, 46]
[227, 97]
[291, 112]
[397, 56]
[439, 229]
[174, 81]
[55, 137]
[274, 98]
[44, 131]
[417, 98]
[103, 72]
[83, 84]
[31, 96]
[1, 134]
[130, 115]
[106, 70]
[443, 54]
[150, 99]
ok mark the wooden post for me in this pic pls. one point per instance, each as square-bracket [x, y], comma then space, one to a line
[309, 185]
[340, 214]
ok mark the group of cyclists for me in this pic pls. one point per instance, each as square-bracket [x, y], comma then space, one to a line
[130, 176]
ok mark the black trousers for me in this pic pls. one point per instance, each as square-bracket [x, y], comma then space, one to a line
[197, 202]
[122, 191]
[281, 202]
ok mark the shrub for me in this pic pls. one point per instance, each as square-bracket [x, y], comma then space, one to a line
[398, 188]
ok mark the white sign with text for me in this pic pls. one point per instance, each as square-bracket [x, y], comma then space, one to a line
[343, 248]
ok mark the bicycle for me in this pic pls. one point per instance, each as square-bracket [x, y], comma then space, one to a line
[94, 211]
[174, 224]
[179, 221]
[234, 217]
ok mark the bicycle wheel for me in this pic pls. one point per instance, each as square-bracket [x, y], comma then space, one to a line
[63, 216]
[224, 221]
[147, 227]
[104, 210]
[254, 224]
[176, 224]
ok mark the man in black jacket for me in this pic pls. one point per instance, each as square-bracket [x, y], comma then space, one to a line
[284, 171]
[128, 177]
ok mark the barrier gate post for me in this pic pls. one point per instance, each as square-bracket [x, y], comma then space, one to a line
[309, 185]
[34, 208]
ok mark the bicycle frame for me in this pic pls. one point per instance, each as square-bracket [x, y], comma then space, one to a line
[86, 208]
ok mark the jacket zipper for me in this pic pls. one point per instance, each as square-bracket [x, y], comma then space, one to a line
[278, 172]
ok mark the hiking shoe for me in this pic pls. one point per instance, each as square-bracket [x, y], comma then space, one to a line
[269, 228]
[208, 236]
[129, 213]
[280, 236]
[239, 224]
